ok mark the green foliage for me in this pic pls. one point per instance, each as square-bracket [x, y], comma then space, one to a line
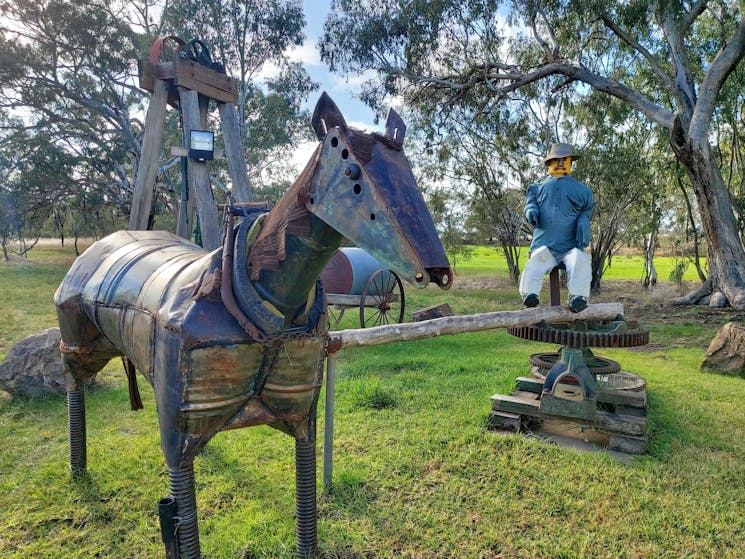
[66, 71]
[69, 75]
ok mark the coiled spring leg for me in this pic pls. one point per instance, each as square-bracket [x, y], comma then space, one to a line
[187, 529]
[76, 424]
[306, 529]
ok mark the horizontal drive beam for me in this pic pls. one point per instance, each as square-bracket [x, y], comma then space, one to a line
[460, 324]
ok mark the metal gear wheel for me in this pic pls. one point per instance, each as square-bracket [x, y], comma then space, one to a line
[609, 333]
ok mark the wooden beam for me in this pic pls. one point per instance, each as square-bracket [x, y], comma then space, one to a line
[142, 198]
[213, 84]
[198, 175]
[231, 135]
[450, 325]
[149, 73]
[181, 151]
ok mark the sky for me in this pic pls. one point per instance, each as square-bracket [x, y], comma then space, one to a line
[341, 91]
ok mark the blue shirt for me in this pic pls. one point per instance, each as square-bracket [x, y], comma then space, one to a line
[564, 206]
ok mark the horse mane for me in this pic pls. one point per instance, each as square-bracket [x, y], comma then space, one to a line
[289, 216]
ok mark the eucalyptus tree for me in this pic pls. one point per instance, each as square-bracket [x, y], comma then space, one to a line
[68, 73]
[619, 161]
[449, 216]
[33, 175]
[252, 39]
[669, 60]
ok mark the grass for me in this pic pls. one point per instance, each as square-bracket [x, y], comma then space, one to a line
[623, 267]
[415, 473]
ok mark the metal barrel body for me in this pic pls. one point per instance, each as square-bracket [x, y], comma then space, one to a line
[349, 269]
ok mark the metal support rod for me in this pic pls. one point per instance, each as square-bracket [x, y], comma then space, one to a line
[555, 287]
[306, 527]
[187, 529]
[328, 424]
[76, 424]
[167, 515]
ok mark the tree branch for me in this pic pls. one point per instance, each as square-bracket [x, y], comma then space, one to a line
[684, 89]
[553, 49]
[516, 80]
[723, 64]
[621, 34]
[696, 10]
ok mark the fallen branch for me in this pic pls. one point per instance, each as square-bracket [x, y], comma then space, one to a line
[467, 323]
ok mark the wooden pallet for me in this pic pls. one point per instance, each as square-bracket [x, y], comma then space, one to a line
[621, 415]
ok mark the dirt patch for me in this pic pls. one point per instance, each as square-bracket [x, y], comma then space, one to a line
[651, 307]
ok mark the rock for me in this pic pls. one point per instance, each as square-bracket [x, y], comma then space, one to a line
[33, 366]
[717, 300]
[726, 353]
[435, 311]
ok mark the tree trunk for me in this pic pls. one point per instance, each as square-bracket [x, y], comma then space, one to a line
[650, 272]
[689, 210]
[726, 252]
[512, 257]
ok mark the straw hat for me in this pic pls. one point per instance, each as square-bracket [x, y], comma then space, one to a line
[559, 150]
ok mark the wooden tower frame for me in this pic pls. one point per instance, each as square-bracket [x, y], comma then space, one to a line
[190, 85]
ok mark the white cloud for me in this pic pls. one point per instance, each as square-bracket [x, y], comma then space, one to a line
[352, 83]
[365, 126]
[307, 53]
[302, 153]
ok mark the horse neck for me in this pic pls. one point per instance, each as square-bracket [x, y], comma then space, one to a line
[292, 248]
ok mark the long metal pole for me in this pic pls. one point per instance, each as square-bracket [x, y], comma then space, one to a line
[328, 424]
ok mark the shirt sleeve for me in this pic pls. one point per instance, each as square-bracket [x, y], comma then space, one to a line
[583, 221]
[531, 202]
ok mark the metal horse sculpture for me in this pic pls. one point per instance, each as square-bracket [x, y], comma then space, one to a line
[237, 337]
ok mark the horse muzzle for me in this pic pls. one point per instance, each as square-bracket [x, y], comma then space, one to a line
[442, 277]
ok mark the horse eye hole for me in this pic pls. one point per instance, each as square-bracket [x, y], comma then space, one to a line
[344, 153]
[334, 141]
[372, 217]
[357, 189]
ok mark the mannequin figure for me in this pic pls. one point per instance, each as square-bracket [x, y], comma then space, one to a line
[559, 210]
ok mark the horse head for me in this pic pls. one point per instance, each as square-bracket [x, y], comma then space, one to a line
[364, 188]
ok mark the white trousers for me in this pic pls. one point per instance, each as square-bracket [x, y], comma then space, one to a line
[576, 261]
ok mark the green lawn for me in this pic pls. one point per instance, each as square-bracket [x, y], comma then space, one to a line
[488, 259]
[416, 474]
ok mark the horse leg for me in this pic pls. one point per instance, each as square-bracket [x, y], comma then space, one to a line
[187, 530]
[76, 425]
[306, 528]
[75, 415]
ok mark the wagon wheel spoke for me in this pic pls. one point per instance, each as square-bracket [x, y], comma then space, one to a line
[382, 300]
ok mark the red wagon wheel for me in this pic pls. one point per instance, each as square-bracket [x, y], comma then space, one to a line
[382, 300]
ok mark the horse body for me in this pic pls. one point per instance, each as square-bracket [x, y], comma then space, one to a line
[237, 336]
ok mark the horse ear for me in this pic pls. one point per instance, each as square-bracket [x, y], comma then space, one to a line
[326, 116]
[395, 129]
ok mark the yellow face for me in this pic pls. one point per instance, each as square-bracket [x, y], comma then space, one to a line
[560, 167]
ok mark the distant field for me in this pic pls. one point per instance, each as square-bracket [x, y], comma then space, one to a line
[490, 260]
